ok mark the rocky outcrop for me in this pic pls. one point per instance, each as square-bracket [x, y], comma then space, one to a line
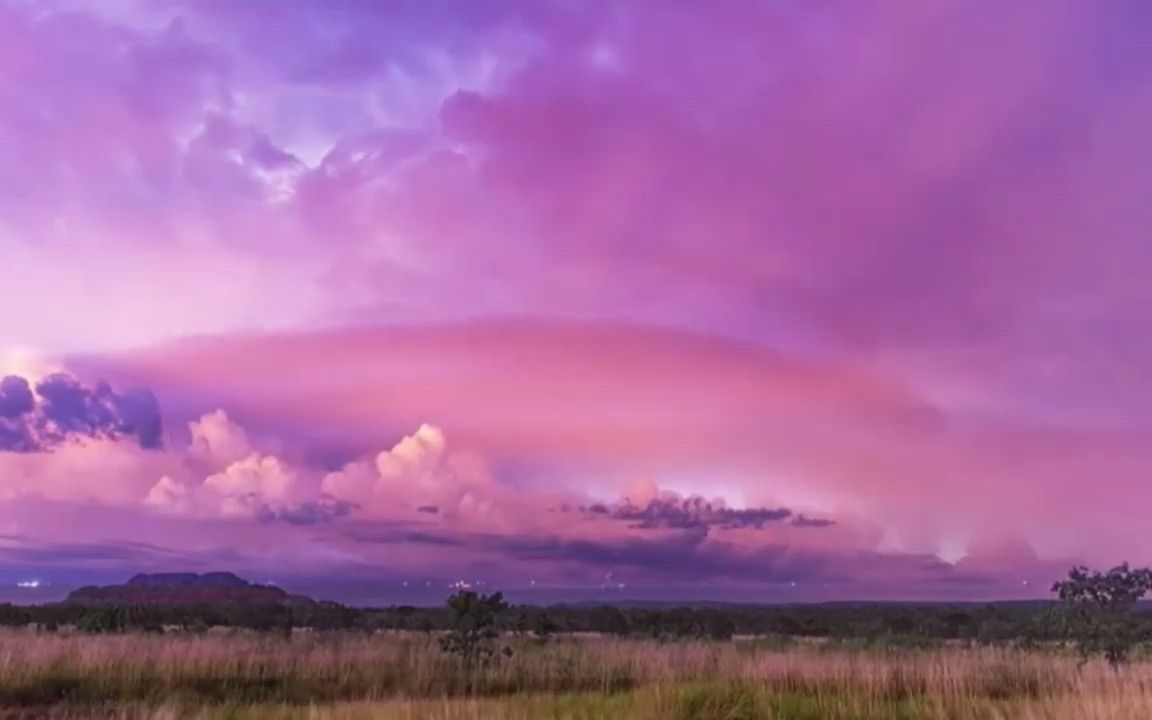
[186, 580]
[180, 589]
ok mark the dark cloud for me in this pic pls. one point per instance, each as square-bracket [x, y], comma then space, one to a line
[803, 521]
[15, 397]
[306, 513]
[14, 437]
[675, 553]
[394, 535]
[429, 509]
[62, 408]
[684, 553]
[140, 416]
[689, 513]
[691, 556]
[62, 553]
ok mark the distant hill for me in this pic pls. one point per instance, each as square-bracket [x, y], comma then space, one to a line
[186, 580]
[183, 589]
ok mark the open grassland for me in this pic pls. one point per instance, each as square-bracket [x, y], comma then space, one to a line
[353, 676]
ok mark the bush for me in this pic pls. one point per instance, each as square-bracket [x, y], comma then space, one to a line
[472, 636]
[1097, 610]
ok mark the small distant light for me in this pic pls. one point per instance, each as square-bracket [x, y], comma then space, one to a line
[532, 583]
[28, 584]
[405, 583]
[793, 583]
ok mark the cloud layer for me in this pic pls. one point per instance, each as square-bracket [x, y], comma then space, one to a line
[417, 504]
[854, 189]
[451, 265]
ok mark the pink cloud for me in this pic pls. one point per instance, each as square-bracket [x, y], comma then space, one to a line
[420, 473]
[541, 389]
[838, 174]
[602, 398]
[452, 508]
[873, 262]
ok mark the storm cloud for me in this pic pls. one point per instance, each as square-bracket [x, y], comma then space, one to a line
[60, 408]
[312, 512]
[695, 513]
[871, 261]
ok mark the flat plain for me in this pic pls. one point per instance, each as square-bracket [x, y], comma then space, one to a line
[348, 675]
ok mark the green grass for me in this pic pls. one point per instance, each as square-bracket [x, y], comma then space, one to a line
[352, 676]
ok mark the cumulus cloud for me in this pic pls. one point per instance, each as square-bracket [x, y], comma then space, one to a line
[62, 409]
[418, 473]
[429, 499]
[641, 491]
[250, 481]
[244, 482]
[16, 397]
[216, 439]
[168, 495]
[63, 440]
[16, 401]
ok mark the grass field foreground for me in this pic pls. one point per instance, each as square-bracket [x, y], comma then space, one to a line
[352, 676]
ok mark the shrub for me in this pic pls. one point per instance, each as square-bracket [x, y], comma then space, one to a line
[473, 634]
[1097, 610]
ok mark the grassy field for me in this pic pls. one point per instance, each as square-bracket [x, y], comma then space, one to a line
[406, 676]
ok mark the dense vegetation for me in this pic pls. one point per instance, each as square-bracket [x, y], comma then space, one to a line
[983, 622]
[1098, 612]
[345, 675]
[478, 657]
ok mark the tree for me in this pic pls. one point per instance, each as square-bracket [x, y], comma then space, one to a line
[543, 627]
[472, 633]
[1097, 609]
[716, 625]
[609, 620]
[520, 625]
[119, 619]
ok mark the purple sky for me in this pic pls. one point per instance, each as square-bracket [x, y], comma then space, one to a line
[776, 299]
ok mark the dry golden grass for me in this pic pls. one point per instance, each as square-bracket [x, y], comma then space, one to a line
[349, 676]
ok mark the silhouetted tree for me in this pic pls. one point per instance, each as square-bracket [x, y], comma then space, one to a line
[543, 627]
[472, 633]
[120, 618]
[716, 625]
[1097, 609]
[610, 620]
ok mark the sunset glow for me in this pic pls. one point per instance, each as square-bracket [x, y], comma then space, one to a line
[813, 300]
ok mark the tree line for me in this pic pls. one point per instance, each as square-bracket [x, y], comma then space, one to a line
[990, 621]
[1098, 611]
